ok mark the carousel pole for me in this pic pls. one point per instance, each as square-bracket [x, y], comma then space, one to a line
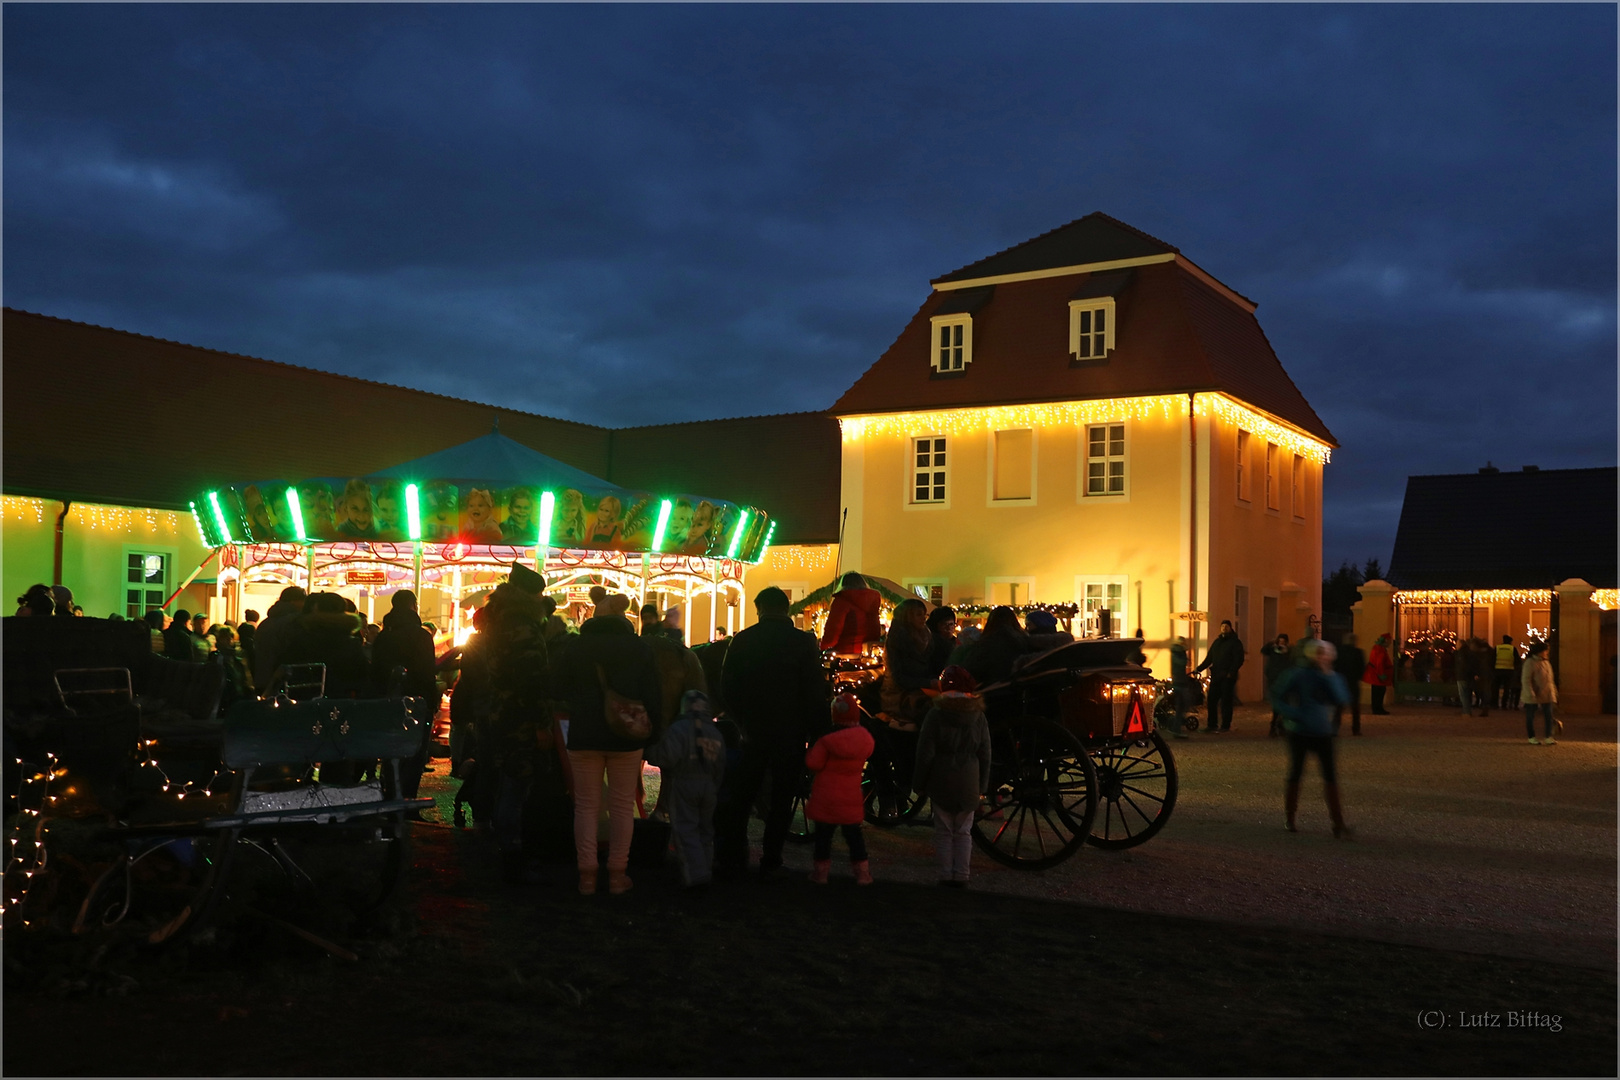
[455, 603]
[417, 581]
[686, 611]
[236, 591]
[309, 565]
[645, 563]
[714, 597]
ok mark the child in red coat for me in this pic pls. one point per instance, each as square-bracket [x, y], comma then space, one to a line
[835, 796]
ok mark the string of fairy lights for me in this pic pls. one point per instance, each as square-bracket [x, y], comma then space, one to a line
[27, 855]
[1074, 414]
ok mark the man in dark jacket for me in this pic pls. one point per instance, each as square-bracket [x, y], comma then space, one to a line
[853, 619]
[1224, 659]
[776, 690]
[274, 633]
[328, 634]
[179, 643]
[403, 642]
[1277, 660]
[1350, 664]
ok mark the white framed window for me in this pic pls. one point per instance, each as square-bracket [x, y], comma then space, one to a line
[930, 589]
[1011, 591]
[1273, 481]
[1096, 592]
[148, 580]
[930, 470]
[1091, 328]
[1012, 467]
[1105, 472]
[1242, 465]
[1296, 497]
[952, 343]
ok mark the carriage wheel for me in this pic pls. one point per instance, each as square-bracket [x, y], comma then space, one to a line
[907, 803]
[1137, 785]
[1042, 796]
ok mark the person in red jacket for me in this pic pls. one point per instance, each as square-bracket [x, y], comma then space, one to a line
[835, 795]
[1380, 673]
[853, 619]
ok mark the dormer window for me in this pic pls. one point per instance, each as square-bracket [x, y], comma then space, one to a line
[1091, 329]
[1091, 316]
[953, 343]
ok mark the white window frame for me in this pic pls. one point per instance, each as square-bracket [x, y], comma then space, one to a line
[1297, 488]
[123, 575]
[1273, 478]
[1104, 305]
[1123, 495]
[1081, 621]
[1241, 453]
[909, 476]
[956, 364]
[1034, 469]
[943, 584]
[990, 592]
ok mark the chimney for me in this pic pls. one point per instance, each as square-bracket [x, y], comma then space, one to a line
[1489, 469]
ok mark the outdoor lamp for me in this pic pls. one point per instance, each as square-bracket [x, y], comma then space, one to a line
[413, 513]
[664, 509]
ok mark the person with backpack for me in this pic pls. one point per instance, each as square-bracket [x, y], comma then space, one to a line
[835, 801]
[610, 681]
[691, 758]
[953, 770]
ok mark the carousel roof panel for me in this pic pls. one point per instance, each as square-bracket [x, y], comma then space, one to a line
[497, 460]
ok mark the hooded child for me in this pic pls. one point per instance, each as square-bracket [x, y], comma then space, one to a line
[692, 759]
[953, 770]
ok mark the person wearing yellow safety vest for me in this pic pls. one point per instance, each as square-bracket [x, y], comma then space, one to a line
[1502, 688]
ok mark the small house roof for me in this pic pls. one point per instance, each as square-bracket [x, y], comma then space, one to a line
[1495, 529]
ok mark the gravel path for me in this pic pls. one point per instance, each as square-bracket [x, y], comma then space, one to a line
[1467, 838]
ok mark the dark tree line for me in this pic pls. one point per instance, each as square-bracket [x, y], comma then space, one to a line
[1339, 587]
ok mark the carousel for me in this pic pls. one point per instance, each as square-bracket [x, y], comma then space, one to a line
[451, 524]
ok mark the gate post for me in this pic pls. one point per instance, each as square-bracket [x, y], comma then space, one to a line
[1577, 647]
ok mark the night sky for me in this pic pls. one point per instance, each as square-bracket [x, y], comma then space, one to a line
[630, 214]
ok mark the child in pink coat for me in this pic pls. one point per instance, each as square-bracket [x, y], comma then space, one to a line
[835, 795]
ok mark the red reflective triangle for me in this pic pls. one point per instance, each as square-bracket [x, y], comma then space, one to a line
[1136, 717]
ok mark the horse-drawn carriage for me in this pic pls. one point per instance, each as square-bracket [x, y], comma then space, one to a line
[1076, 756]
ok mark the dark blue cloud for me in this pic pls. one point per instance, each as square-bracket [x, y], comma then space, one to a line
[636, 214]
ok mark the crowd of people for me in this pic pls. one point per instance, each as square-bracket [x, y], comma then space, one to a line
[561, 718]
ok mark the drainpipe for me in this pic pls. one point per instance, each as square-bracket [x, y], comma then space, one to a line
[56, 566]
[1192, 518]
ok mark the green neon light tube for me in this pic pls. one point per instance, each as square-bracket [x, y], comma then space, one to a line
[413, 513]
[664, 510]
[737, 535]
[219, 516]
[202, 533]
[548, 506]
[297, 514]
[770, 533]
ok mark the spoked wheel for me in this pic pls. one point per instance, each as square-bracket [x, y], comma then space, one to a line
[890, 766]
[907, 803]
[1042, 797]
[1137, 786]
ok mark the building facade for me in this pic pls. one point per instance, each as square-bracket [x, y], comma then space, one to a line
[1090, 418]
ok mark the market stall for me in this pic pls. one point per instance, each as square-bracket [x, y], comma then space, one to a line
[451, 524]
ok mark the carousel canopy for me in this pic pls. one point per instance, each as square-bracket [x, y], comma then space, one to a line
[490, 491]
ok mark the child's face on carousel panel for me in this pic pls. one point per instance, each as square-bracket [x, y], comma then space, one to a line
[387, 512]
[607, 512]
[358, 507]
[480, 509]
[520, 512]
[702, 520]
[259, 516]
[442, 507]
[317, 508]
[680, 522]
